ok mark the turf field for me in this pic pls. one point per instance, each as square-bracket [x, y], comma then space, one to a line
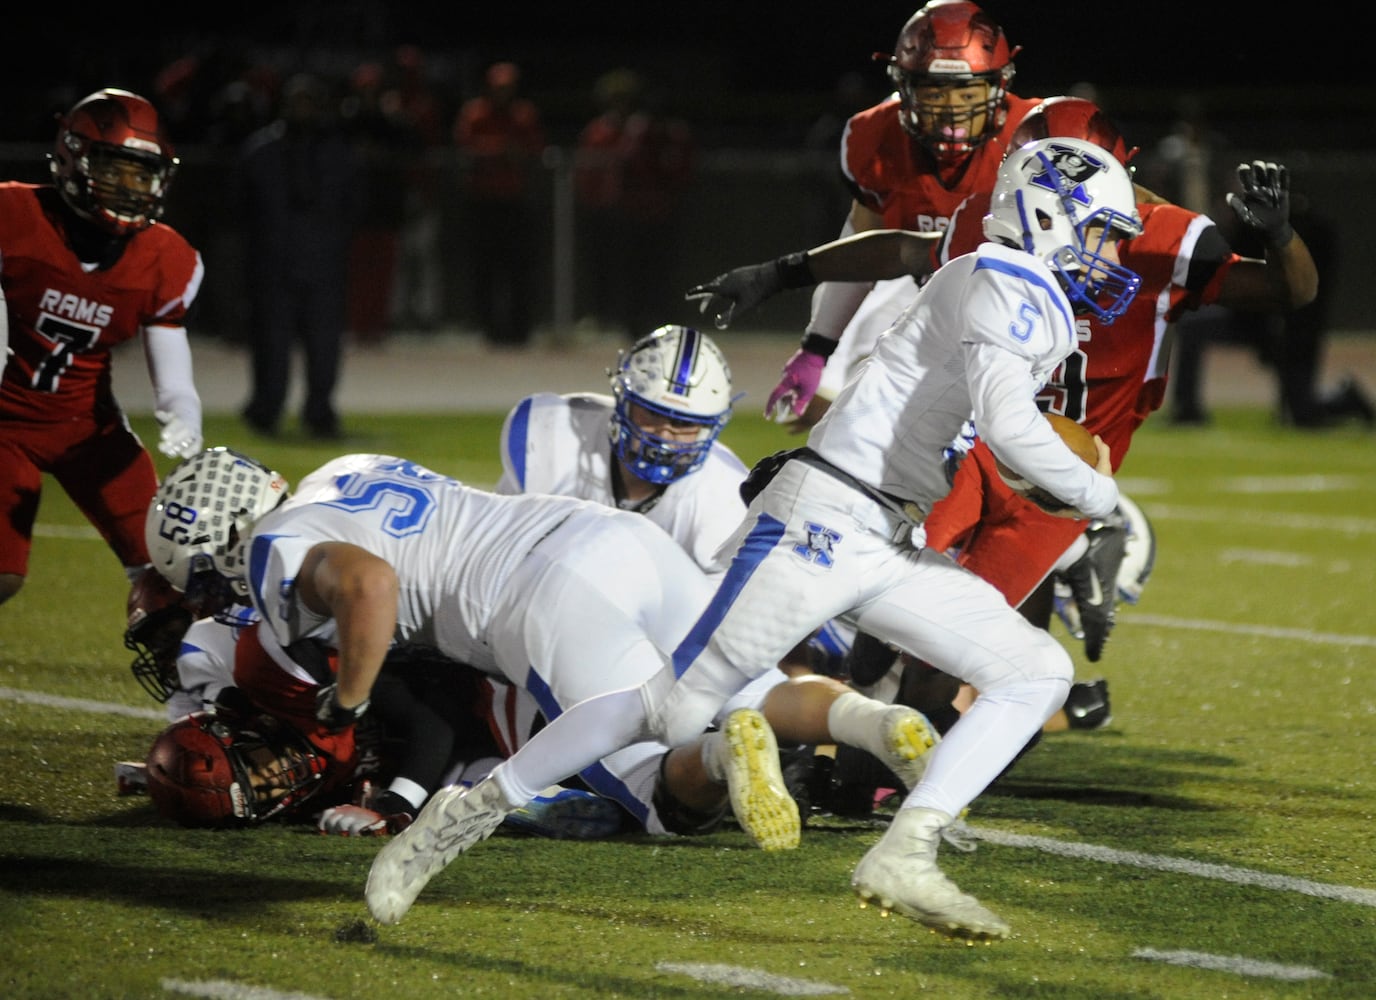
[1217, 840]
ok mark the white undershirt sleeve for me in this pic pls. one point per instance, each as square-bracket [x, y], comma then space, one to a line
[168, 353]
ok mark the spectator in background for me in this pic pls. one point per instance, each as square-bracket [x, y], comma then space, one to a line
[382, 140]
[633, 166]
[416, 297]
[1301, 336]
[500, 138]
[301, 196]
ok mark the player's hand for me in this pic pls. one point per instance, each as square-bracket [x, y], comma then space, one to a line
[1093, 581]
[802, 375]
[738, 290]
[332, 715]
[352, 821]
[1264, 205]
[179, 439]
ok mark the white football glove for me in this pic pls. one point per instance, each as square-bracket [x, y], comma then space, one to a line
[352, 821]
[179, 439]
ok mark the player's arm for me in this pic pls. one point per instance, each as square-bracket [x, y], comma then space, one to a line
[177, 405]
[359, 591]
[1287, 278]
[874, 255]
[1007, 419]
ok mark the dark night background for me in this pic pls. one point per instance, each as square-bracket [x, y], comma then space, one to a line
[1289, 83]
[746, 66]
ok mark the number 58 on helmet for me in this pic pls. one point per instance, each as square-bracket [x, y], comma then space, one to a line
[202, 515]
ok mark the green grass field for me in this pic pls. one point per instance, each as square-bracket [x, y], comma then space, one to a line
[1217, 840]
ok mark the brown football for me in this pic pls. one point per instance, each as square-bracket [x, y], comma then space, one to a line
[1079, 440]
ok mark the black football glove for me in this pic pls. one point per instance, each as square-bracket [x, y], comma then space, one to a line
[743, 288]
[1264, 205]
[1093, 581]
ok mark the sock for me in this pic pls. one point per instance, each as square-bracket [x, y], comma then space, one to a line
[854, 720]
[714, 756]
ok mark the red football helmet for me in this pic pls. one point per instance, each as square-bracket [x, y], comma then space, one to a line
[948, 46]
[112, 162]
[209, 771]
[1074, 118]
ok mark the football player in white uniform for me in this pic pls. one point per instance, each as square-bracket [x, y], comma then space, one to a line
[837, 532]
[375, 552]
[652, 446]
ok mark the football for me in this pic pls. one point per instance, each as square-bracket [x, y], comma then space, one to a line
[1079, 440]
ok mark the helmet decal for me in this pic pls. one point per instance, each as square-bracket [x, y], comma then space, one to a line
[1062, 200]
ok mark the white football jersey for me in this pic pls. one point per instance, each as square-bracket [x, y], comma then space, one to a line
[205, 666]
[453, 548]
[561, 444]
[952, 356]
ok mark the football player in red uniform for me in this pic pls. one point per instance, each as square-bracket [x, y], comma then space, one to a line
[85, 265]
[908, 162]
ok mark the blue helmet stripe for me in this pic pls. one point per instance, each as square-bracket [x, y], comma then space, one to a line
[517, 436]
[688, 343]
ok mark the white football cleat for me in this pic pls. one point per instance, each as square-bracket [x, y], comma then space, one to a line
[755, 779]
[452, 821]
[900, 873]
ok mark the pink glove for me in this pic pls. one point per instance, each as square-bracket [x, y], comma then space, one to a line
[802, 375]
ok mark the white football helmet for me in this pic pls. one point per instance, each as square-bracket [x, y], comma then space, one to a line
[678, 373]
[203, 513]
[1048, 196]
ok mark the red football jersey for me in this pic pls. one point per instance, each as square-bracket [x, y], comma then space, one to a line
[64, 319]
[890, 173]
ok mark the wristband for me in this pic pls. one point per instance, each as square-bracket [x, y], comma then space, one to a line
[334, 715]
[795, 271]
[815, 343]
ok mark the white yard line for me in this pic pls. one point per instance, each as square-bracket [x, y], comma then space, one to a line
[1181, 866]
[79, 704]
[220, 989]
[751, 979]
[1260, 518]
[1232, 963]
[1259, 631]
